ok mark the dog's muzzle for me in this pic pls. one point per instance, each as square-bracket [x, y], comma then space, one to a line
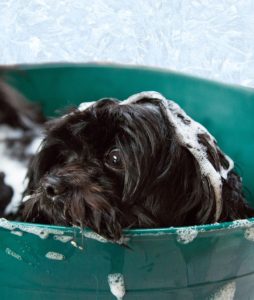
[53, 187]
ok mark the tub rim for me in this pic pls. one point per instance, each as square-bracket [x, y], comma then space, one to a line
[206, 228]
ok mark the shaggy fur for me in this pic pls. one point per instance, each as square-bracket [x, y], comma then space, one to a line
[112, 166]
[6, 193]
[20, 124]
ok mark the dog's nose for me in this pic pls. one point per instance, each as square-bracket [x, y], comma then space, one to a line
[53, 186]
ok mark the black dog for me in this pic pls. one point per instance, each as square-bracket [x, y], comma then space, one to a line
[6, 194]
[20, 134]
[140, 163]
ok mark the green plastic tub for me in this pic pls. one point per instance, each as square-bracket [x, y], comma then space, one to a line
[204, 262]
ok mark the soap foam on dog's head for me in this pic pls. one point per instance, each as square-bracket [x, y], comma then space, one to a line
[187, 131]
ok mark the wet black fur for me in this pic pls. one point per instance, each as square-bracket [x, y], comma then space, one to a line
[159, 184]
[6, 193]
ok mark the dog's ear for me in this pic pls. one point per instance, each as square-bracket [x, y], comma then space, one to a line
[163, 182]
[180, 192]
[201, 184]
[170, 189]
[234, 204]
[179, 195]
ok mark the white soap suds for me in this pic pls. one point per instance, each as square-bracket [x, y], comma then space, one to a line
[34, 146]
[54, 255]
[99, 238]
[224, 172]
[13, 254]
[6, 224]
[227, 292]
[7, 132]
[83, 106]
[26, 198]
[18, 233]
[116, 285]
[241, 224]
[249, 234]
[54, 231]
[43, 233]
[95, 236]
[136, 97]
[74, 244]
[63, 238]
[187, 131]
[14, 169]
[186, 235]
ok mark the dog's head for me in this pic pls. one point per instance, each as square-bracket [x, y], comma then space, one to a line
[115, 165]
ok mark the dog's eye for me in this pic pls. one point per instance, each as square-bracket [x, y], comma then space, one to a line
[113, 158]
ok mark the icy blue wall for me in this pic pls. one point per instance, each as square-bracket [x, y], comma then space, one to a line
[211, 38]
